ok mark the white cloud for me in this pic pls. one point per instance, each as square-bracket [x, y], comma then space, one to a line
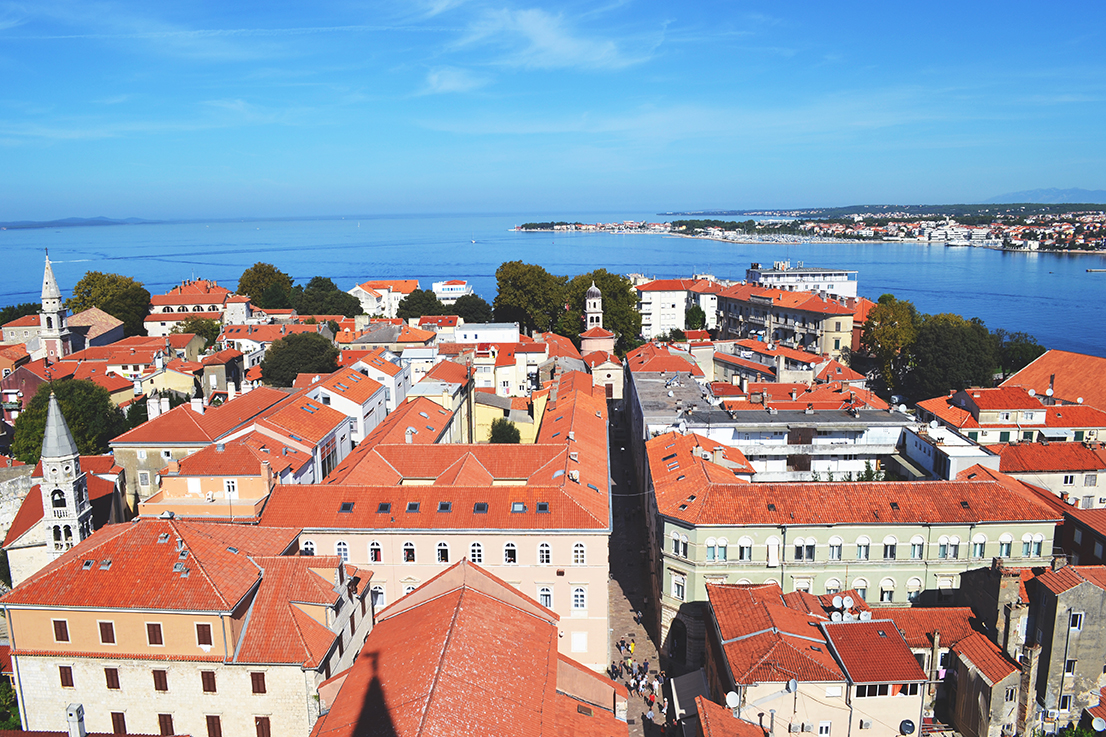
[452, 79]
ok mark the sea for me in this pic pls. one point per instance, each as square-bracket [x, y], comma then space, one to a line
[1049, 296]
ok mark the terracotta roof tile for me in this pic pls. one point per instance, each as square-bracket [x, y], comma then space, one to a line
[184, 425]
[718, 721]
[1068, 577]
[917, 624]
[1038, 457]
[1076, 375]
[873, 652]
[977, 650]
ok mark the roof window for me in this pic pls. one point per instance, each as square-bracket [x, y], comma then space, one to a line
[346, 508]
[445, 506]
[517, 507]
[895, 506]
[105, 564]
[771, 507]
[480, 508]
[232, 550]
[88, 565]
[593, 487]
[308, 408]
[423, 414]
[412, 507]
[964, 504]
[667, 457]
[384, 508]
[543, 508]
[163, 537]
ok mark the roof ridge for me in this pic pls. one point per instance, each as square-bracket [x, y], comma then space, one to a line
[200, 565]
[292, 614]
[441, 658]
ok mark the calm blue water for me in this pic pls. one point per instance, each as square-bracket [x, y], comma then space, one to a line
[1049, 296]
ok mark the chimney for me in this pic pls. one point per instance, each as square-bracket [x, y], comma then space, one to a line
[198, 405]
[164, 405]
[159, 360]
[74, 715]
[408, 436]
[935, 658]
[230, 391]
[153, 407]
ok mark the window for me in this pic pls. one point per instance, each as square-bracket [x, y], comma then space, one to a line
[375, 555]
[61, 630]
[721, 550]
[683, 546]
[257, 682]
[579, 554]
[1090, 480]
[887, 590]
[412, 507]
[579, 599]
[712, 548]
[545, 597]
[118, 723]
[445, 506]
[384, 508]
[66, 674]
[1069, 666]
[1069, 479]
[308, 547]
[261, 726]
[745, 549]
[203, 634]
[889, 550]
[107, 633]
[230, 486]
[207, 678]
[408, 589]
[214, 726]
[1065, 702]
[476, 553]
[408, 552]
[165, 724]
[1011, 693]
[863, 546]
[675, 544]
[954, 547]
[480, 508]
[510, 553]
[143, 478]
[835, 548]
[518, 507]
[860, 585]
[111, 678]
[378, 596]
[804, 549]
[917, 548]
[824, 729]
[873, 689]
[833, 586]
[1004, 549]
[679, 585]
[161, 680]
[153, 634]
[913, 589]
[341, 549]
[545, 554]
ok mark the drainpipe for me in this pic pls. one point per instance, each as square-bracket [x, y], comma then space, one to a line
[783, 557]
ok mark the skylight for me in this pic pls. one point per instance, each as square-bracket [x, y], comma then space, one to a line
[384, 508]
[517, 507]
[480, 508]
[412, 507]
[346, 508]
[543, 508]
[445, 506]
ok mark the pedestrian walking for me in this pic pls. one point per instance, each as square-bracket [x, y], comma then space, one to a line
[649, 714]
[633, 645]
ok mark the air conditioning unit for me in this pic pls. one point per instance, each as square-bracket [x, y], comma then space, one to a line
[1053, 714]
[808, 726]
[793, 727]
[865, 723]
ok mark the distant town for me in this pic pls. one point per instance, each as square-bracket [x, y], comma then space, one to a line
[602, 504]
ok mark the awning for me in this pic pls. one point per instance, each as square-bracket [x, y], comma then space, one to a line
[684, 690]
[1057, 433]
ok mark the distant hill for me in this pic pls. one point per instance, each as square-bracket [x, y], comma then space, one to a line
[1052, 196]
[72, 222]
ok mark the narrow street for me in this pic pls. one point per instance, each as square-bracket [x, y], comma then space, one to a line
[630, 587]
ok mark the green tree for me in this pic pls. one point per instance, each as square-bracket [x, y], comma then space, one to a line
[695, 318]
[419, 303]
[504, 431]
[9, 705]
[890, 330]
[92, 418]
[529, 295]
[322, 297]
[1015, 351]
[298, 353]
[266, 286]
[207, 329]
[620, 314]
[120, 296]
[949, 353]
[675, 335]
[472, 308]
[14, 312]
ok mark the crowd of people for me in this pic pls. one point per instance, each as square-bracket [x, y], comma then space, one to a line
[639, 681]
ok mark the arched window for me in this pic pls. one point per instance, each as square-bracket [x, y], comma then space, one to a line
[476, 553]
[979, 545]
[579, 598]
[723, 545]
[57, 499]
[1038, 544]
[545, 554]
[308, 547]
[712, 547]
[408, 552]
[863, 547]
[408, 589]
[745, 549]
[341, 549]
[1005, 544]
[375, 556]
[545, 597]
[860, 585]
[57, 534]
[443, 552]
[510, 553]
[675, 543]
[917, 547]
[804, 549]
[579, 554]
[744, 581]
[913, 588]
[887, 590]
[890, 547]
[954, 547]
[833, 586]
[378, 596]
[773, 552]
[835, 544]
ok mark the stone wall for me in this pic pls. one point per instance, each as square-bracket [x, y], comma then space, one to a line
[14, 485]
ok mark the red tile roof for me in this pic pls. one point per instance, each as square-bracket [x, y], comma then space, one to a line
[1068, 577]
[718, 721]
[140, 569]
[1034, 494]
[304, 419]
[404, 286]
[917, 624]
[653, 358]
[873, 652]
[803, 301]
[27, 321]
[951, 414]
[597, 333]
[667, 285]
[1039, 458]
[1077, 375]
[837, 371]
[184, 425]
[559, 346]
[447, 372]
[991, 663]
[444, 321]
[1003, 398]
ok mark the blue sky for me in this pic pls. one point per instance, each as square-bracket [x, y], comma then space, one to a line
[199, 109]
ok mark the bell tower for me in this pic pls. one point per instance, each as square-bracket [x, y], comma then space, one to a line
[593, 308]
[54, 329]
[66, 512]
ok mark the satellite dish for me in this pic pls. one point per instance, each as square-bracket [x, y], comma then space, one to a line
[1079, 400]
[837, 601]
[1032, 392]
[1099, 724]
[933, 424]
[848, 602]
[835, 616]
[792, 686]
[848, 616]
[732, 699]
[1048, 392]
[865, 616]
[906, 727]
[902, 408]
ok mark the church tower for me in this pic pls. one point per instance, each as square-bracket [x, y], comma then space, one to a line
[67, 514]
[593, 308]
[54, 329]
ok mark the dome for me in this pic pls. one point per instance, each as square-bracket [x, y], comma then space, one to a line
[593, 292]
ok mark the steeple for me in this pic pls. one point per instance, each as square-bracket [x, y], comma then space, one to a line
[67, 514]
[593, 307]
[50, 289]
[57, 441]
[54, 332]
